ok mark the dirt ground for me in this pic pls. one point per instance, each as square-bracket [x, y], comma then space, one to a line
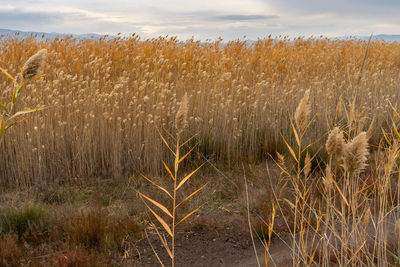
[214, 246]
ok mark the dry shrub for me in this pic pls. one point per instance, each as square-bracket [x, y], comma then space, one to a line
[10, 251]
[77, 257]
[88, 229]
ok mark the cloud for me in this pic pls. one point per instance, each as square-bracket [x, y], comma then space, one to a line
[238, 17]
[230, 19]
[62, 19]
[18, 16]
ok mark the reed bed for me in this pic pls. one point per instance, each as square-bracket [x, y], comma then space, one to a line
[107, 98]
[344, 213]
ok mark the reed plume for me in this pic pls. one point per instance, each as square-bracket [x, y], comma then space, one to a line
[335, 143]
[33, 64]
[303, 111]
[307, 165]
[355, 154]
[181, 121]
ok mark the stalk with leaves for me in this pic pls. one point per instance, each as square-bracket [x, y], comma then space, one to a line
[29, 72]
[173, 216]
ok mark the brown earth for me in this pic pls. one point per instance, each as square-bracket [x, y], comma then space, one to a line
[213, 246]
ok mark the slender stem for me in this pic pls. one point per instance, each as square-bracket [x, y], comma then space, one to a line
[176, 165]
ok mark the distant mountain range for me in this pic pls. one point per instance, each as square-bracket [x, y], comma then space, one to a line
[378, 37]
[45, 35]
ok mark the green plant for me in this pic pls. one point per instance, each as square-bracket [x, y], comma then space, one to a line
[28, 222]
[29, 72]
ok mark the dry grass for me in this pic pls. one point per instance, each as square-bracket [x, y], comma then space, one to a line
[107, 98]
[354, 220]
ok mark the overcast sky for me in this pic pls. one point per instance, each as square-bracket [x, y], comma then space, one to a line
[204, 19]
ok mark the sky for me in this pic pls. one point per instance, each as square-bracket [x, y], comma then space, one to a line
[204, 19]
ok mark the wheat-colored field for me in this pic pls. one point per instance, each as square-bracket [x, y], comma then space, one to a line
[326, 112]
[107, 99]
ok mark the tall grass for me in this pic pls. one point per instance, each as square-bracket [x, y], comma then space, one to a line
[354, 219]
[175, 216]
[107, 97]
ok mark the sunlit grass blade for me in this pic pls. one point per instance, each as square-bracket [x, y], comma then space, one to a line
[3, 107]
[20, 89]
[27, 111]
[169, 171]
[3, 128]
[166, 143]
[187, 141]
[340, 192]
[307, 126]
[161, 220]
[191, 195]
[164, 243]
[188, 215]
[295, 133]
[152, 248]
[188, 176]
[187, 154]
[158, 186]
[38, 77]
[8, 75]
[163, 208]
[290, 150]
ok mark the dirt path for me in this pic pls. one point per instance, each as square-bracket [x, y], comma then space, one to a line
[225, 247]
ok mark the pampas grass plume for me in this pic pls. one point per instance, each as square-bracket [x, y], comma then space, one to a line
[355, 154]
[335, 143]
[181, 119]
[33, 64]
[303, 111]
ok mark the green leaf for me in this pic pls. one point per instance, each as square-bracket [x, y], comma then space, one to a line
[14, 98]
[3, 107]
[3, 128]
[20, 89]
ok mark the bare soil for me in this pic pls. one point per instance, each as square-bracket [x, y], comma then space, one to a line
[213, 246]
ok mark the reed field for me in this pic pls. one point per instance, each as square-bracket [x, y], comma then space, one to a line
[106, 100]
[298, 139]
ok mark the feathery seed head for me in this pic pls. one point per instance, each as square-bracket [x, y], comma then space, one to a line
[307, 165]
[303, 111]
[328, 179]
[355, 154]
[33, 64]
[181, 119]
[335, 143]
